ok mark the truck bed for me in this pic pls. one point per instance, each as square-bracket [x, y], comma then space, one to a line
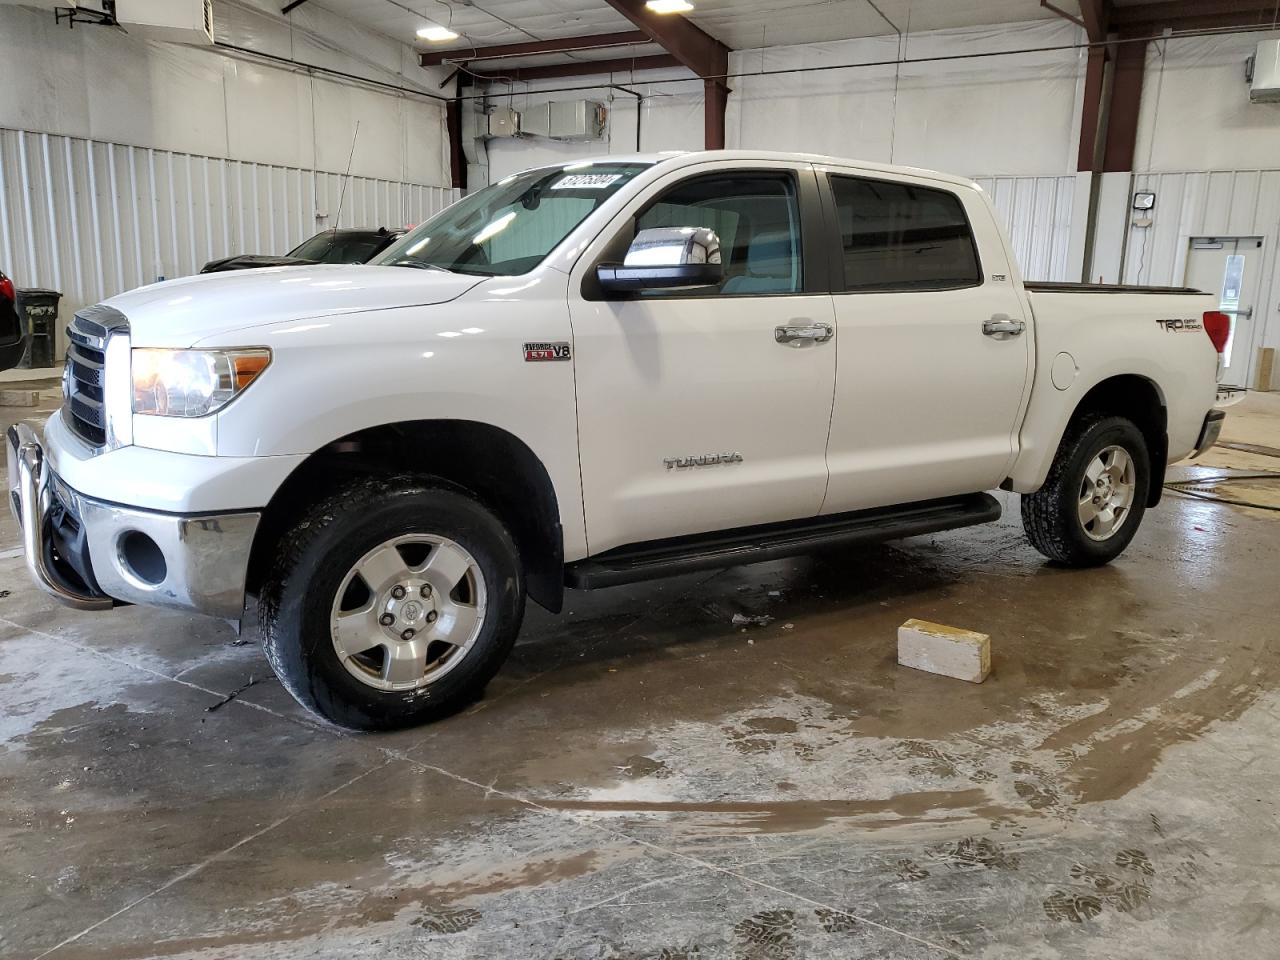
[1154, 333]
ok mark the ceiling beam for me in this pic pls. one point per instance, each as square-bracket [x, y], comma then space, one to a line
[289, 6]
[694, 48]
[580, 68]
[1126, 99]
[1092, 136]
[1096, 15]
[1172, 13]
[534, 47]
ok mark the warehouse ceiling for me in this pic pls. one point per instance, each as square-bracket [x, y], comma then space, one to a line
[610, 42]
[739, 24]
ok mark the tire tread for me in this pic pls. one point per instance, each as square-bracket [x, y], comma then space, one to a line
[1049, 514]
[288, 659]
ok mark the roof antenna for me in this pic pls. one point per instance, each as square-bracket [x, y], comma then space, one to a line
[342, 196]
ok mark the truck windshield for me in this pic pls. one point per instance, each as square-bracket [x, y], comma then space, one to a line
[508, 228]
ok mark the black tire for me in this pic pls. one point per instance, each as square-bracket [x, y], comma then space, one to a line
[315, 555]
[1050, 515]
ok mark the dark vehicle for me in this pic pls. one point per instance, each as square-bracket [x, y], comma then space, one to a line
[11, 342]
[332, 246]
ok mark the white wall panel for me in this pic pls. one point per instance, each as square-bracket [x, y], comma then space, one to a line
[108, 86]
[94, 219]
[1196, 113]
[1036, 212]
[670, 117]
[949, 107]
[1235, 203]
[123, 160]
[947, 114]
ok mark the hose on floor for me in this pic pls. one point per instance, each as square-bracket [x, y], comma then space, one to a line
[1179, 487]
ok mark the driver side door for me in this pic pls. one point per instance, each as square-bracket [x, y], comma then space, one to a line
[694, 413]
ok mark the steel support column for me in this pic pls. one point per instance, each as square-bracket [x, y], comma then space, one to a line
[693, 48]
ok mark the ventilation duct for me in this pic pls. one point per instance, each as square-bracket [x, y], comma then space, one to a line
[1264, 73]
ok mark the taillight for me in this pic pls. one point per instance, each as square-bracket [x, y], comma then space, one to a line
[6, 288]
[1218, 326]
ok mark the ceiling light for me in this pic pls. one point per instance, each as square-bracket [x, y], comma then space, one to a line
[437, 34]
[669, 6]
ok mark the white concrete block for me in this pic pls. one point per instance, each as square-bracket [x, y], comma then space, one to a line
[948, 651]
[19, 398]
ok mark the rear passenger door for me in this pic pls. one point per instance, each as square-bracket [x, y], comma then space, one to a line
[933, 369]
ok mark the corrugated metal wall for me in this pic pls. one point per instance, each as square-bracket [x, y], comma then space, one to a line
[1036, 213]
[94, 219]
[1228, 203]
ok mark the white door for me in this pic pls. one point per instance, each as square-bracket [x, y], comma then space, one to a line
[1229, 268]
[934, 348]
[692, 416]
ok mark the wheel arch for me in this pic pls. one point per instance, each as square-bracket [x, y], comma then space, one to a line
[489, 463]
[1141, 400]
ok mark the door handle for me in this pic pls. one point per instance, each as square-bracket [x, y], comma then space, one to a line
[1002, 327]
[799, 332]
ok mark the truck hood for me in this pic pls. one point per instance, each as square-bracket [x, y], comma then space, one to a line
[178, 313]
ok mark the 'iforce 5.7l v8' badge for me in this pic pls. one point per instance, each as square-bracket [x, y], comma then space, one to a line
[546, 351]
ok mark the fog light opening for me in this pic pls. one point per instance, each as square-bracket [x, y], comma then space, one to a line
[142, 558]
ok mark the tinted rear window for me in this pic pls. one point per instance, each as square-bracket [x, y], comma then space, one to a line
[900, 236]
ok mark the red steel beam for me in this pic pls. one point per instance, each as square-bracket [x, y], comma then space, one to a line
[715, 96]
[1256, 18]
[1126, 98]
[534, 47]
[1097, 16]
[581, 68]
[693, 48]
[1170, 12]
[699, 51]
[1091, 110]
[457, 160]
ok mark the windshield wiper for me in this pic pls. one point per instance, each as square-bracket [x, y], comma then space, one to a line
[417, 264]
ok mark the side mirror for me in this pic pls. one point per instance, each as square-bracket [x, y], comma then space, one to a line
[666, 258]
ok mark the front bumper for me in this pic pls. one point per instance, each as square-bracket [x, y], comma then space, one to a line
[92, 554]
[1209, 432]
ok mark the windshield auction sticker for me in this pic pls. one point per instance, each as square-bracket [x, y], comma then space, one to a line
[586, 181]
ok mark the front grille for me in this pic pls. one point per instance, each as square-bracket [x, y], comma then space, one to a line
[85, 379]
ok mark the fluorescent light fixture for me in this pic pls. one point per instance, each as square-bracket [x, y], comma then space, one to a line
[669, 6]
[437, 34]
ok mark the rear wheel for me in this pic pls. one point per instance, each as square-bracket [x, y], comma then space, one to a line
[392, 603]
[1091, 503]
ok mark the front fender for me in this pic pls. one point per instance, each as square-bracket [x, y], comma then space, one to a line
[459, 361]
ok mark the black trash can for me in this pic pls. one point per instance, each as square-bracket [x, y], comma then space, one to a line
[38, 310]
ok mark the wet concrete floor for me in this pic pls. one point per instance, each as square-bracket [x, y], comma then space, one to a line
[646, 780]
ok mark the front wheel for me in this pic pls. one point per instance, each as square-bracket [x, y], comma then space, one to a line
[1091, 503]
[391, 603]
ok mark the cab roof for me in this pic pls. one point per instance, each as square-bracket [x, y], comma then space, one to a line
[673, 158]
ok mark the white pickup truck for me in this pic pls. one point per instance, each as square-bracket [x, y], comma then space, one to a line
[585, 375]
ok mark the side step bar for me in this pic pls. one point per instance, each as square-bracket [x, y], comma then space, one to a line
[664, 558]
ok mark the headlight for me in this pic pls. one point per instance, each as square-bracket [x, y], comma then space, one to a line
[192, 383]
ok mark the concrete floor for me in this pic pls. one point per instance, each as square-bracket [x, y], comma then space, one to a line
[645, 780]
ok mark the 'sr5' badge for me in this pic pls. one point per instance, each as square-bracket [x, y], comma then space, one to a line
[559, 350]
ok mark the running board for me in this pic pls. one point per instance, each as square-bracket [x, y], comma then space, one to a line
[728, 548]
